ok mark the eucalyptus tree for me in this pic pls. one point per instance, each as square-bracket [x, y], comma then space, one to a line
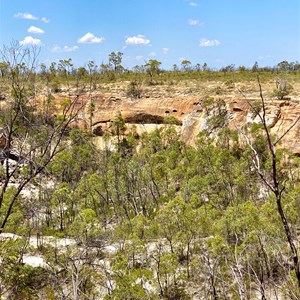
[186, 65]
[29, 141]
[152, 68]
[64, 70]
[92, 69]
[4, 67]
[273, 176]
[115, 59]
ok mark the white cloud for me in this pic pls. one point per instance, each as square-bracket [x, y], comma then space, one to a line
[90, 38]
[152, 54]
[29, 16]
[70, 49]
[193, 22]
[33, 29]
[44, 20]
[194, 4]
[29, 40]
[26, 16]
[137, 40]
[58, 49]
[165, 50]
[208, 43]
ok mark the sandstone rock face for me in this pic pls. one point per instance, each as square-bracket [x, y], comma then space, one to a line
[150, 112]
[192, 124]
[143, 111]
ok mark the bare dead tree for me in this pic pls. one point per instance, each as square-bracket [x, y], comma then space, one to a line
[272, 180]
[34, 143]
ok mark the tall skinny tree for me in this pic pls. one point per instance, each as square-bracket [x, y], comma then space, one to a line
[152, 67]
[115, 59]
[29, 141]
[273, 180]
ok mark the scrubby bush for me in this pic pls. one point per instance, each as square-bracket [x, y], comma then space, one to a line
[134, 90]
[283, 88]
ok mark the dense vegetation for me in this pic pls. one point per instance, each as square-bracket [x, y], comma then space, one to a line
[153, 219]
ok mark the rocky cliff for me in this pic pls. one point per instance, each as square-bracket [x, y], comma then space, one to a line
[195, 107]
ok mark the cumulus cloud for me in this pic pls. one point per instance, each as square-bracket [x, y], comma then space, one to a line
[194, 4]
[33, 29]
[70, 49]
[152, 54]
[29, 40]
[44, 20]
[58, 49]
[165, 50]
[26, 16]
[137, 40]
[208, 43]
[90, 38]
[193, 22]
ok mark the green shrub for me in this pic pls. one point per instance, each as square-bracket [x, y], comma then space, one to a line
[134, 90]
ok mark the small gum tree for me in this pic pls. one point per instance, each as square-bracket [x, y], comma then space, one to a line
[152, 67]
[273, 178]
[29, 141]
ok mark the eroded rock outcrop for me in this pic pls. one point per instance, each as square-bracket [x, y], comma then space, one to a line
[149, 112]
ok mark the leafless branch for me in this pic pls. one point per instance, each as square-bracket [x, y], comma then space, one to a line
[276, 186]
[287, 131]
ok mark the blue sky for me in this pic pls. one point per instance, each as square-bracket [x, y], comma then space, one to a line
[218, 32]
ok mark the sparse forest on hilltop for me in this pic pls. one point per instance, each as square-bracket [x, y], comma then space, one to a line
[148, 183]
